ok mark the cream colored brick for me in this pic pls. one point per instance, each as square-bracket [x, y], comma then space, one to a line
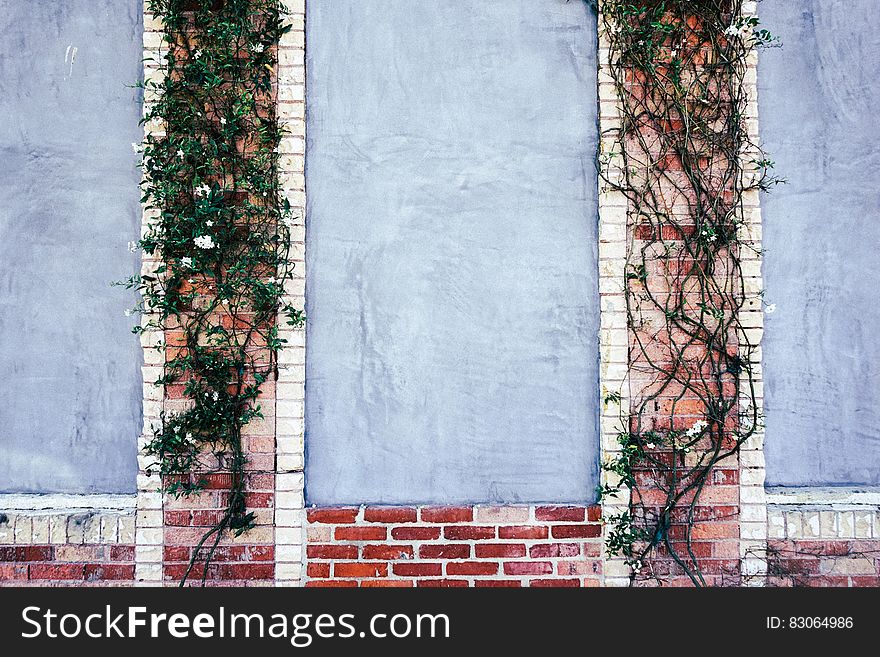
[289, 500]
[862, 524]
[845, 524]
[288, 571]
[828, 524]
[810, 525]
[58, 529]
[847, 566]
[7, 529]
[289, 482]
[288, 553]
[126, 529]
[289, 518]
[776, 525]
[23, 530]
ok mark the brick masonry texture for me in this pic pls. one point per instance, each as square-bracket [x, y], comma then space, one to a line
[83, 548]
[809, 544]
[479, 546]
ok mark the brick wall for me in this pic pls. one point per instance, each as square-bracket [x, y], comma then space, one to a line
[480, 546]
[829, 544]
[80, 548]
[811, 543]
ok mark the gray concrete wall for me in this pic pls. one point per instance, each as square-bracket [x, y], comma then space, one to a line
[452, 252]
[819, 97]
[69, 365]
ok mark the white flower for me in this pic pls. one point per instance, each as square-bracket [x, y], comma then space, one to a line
[650, 445]
[744, 30]
[222, 121]
[186, 262]
[203, 190]
[197, 53]
[135, 147]
[209, 223]
[216, 395]
[132, 247]
[179, 152]
[770, 309]
[259, 48]
[697, 428]
[204, 242]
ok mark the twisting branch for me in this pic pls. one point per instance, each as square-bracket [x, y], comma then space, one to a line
[221, 236]
[683, 160]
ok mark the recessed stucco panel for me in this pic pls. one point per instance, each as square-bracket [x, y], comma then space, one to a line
[451, 252]
[71, 383]
[819, 96]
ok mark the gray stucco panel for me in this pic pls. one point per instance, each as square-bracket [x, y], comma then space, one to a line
[819, 96]
[71, 382]
[452, 252]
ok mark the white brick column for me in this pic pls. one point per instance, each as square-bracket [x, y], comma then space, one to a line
[290, 392]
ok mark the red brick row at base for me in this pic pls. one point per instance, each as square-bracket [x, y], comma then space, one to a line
[66, 565]
[246, 560]
[509, 546]
[828, 562]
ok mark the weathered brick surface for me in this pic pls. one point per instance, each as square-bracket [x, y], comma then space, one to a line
[66, 549]
[820, 563]
[454, 546]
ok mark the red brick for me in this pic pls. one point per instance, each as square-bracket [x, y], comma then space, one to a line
[390, 515]
[417, 569]
[576, 531]
[99, 572]
[497, 583]
[360, 569]
[57, 572]
[468, 533]
[528, 568]
[259, 500]
[333, 516]
[216, 480]
[554, 583]
[415, 533]
[243, 571]
[489, 550]
[178, 518]
[445, 514]
[445, 551]
[332, 584]
[561, 513]
[523, 532]
[443, 583]
[471, 568]
[318, 569]
[13, 572]
[715, 530]
[205, 518]
[388, 583]
[122, 553]
[361, 533]
[26, 553]
[590, 567]
[389, 552]
[331, 551]
[549, 550]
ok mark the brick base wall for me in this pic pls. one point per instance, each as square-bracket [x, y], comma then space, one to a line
[454, 546]
[840, 563]
[66, 549]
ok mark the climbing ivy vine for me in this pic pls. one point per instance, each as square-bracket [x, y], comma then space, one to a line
[220, 237]
[683, 160]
